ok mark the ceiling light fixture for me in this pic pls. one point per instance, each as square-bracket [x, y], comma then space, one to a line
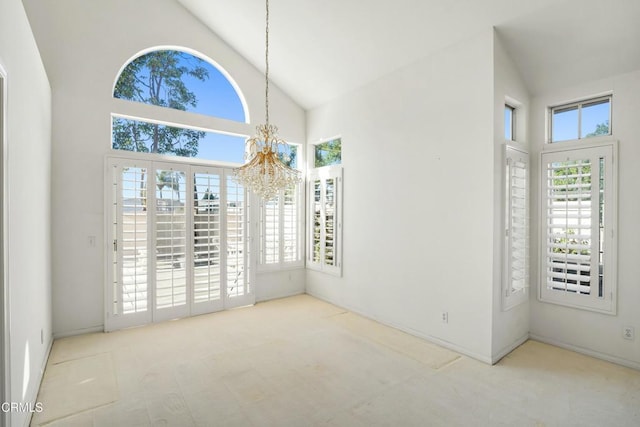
[264, 172]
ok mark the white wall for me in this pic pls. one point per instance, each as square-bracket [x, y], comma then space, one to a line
[418, 197]
[28, 235]
[509, 328]
[597, 334]
[84, 45]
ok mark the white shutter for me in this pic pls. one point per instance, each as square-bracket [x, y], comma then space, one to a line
[578, 213]
[325, 220]
[516, 248]
[128, 292]
[207, 230]
[281, 224]
[270, 232]
[180, 242]
[237, 237]
[171, 202]
[291, 224]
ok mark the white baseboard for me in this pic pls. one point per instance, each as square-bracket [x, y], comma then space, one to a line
[442, 343]
[508, 349]
[279, 296]
[596, 354]
[78, 332]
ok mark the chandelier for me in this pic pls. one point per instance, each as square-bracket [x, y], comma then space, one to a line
[264, 172]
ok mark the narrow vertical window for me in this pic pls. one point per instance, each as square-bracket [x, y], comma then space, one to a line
[282, 223]
[509, 123]
[325, 220]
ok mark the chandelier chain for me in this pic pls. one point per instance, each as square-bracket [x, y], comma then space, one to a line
[266, 72]
[264, 172]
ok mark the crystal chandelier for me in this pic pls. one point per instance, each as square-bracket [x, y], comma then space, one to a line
[264, 173]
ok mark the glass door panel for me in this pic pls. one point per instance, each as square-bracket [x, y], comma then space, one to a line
[207, 231]
[171, 240]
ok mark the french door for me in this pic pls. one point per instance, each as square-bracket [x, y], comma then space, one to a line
[180, 242]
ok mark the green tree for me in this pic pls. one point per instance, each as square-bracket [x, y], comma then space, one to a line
[601, 129]
[157, 78]
[289, 158]
[169, 179]
[328, 153]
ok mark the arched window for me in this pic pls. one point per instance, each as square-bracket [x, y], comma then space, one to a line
[178, 80]
[180, 228]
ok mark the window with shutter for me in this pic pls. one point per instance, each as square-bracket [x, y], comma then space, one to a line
[516, 247]
[578, 217]
[324, 251]
[180, 242]
[280, 229]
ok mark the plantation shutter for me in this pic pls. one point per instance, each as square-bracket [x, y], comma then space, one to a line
[516, 252]
[280, 229]
[237, 238]
[270, 236]
[207, 232]
[128, 290]
[325, 222]
[291, 224]
[170, 224]
[577, 250]
[179, 242]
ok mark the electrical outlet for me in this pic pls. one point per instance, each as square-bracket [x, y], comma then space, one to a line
[445, 317]
[628, 333]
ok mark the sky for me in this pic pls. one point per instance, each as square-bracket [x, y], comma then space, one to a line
[217, 97]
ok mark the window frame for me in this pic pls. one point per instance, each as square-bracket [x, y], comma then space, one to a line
[579, 105]
[608, 149]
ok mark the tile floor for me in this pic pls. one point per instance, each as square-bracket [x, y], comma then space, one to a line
[302, 362]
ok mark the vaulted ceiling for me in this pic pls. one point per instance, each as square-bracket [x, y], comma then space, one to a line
[320, 50]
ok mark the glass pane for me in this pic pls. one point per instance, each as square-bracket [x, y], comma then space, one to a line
[145, 137]
[565, 124]
[328, 153]
[288, 156]
[133, 241]
[569, 238]
[206, 232]
[171, 245]
[595, 119]
[236, 238]
[508, 123]
[179, 80]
